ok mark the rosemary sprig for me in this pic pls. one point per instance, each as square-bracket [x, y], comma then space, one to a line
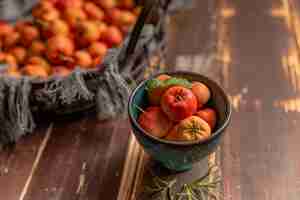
[199, 189]
[161, 188]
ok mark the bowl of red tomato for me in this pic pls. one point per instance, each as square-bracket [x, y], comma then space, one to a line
[179, 117]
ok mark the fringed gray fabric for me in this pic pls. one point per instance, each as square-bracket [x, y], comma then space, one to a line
[113, 91]
[110, 94]
[107, 90]
[65, 90]
[15, 114]
[14, 9]
[144, 40]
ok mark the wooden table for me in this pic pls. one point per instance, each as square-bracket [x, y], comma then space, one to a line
[252, 48]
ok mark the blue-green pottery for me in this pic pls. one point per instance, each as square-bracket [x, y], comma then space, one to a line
[180, 156]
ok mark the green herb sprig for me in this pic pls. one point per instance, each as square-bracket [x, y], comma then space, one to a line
[203, 188]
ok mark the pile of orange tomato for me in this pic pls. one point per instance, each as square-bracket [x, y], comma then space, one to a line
[64, 34]
[178, 109]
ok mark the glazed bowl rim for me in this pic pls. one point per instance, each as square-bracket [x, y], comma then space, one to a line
[215, 134]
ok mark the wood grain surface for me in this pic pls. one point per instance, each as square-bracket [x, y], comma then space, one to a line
[252, 49]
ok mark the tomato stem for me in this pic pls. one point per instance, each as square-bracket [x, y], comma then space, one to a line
[139, 108]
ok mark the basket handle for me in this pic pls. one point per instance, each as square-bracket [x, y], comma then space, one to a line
[134, 36]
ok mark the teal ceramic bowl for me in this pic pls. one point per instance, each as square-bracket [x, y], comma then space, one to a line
[179, 156]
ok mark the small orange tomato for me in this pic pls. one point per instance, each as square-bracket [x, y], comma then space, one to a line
[5, 29]
[35, 70]
[137, 10]
[87, 32]
[163, 77]
[64, 4]
[127, 4]
[2, 56]
[202, 92]
[37, 48]
[11, 40]
[112, 36]
[10, 60]
[209, 115]
[126, 18]
[45, 11]
[97, 61]
[106, 4]
[50, 15]
[19, 53]
[60, 49]
[61, 71]
[113, 15]
[93, 11]
[83, 59]
[21, 24]
[74, 15]
[97, 49]
[58, 27]
[190, 129]
[125, 29]
[40, 61]
[29, 33]
[13, 71]
[41, 8]
[101, 26]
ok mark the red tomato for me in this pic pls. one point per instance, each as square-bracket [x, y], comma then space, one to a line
[179, 103]
[155, 122]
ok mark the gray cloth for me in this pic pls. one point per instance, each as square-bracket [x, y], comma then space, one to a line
[15, 114]
[113, 92]
[14, 9]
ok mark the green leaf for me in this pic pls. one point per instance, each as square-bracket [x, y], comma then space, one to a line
[177, 82]
[153, 84]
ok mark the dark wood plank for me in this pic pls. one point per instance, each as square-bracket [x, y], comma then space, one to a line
[184, 53]
[192, 39]
[251, 48]
[259, 158]
[256, 59]
[16, 164]
[83, 160]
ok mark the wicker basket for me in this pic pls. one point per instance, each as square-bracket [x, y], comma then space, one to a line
[146, 58]
[25, 100]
